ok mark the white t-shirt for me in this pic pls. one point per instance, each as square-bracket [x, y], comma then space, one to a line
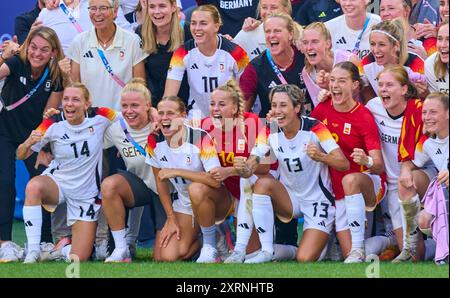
[124, 53]
[206, 73]
[389, 129]
[435, 84]
[253, 42]
[197, 154]
[77, 151]
[345, 38]
[434, 149]
[304, 178]
[132, 157]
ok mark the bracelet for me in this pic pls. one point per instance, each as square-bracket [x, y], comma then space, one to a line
[369, 162]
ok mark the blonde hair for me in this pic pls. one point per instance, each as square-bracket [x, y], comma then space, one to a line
[212, 10]
[440, 68]
[236, 95]
[177, 100]
[324, 32]
[395, 29]
[285, 3]
[401, 76]
[138, 85]
[291, 25]
[82, 87]
[50, 36]
[442, 97]
[148, 32]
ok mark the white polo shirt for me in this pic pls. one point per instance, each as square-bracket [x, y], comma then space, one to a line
[124, 53]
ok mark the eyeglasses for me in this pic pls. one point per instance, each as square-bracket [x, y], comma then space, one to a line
[102, 9]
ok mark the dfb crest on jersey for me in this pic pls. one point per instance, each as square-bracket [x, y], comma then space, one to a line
[221, 67]
[122, 54]
[91, 130]
[188, 160]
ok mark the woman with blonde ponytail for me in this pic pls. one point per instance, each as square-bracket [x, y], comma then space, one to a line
[136, 186]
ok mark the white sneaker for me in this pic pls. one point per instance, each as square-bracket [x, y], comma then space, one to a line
[262, 257]
[10, 252]
[405, 256]
[223, 239]
[119, 255]
[236, 257]
[356, 255]
[101, 251]
[208, 254]
[32, 257]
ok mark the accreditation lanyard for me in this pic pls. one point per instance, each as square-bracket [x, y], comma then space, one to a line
[26, 97]
[70, 17]
[109, 69]
[358, 41]
[275, 68]
[130, 138]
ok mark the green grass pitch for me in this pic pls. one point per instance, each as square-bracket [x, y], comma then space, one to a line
[143, 267]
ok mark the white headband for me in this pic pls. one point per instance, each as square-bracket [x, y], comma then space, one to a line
[387, 34]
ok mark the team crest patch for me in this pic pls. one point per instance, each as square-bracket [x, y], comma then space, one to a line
[222, 67]
[188, 160]
[347, 128]
[91, 129]
[121, 54]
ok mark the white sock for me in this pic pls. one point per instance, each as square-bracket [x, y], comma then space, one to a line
[209, 235]
[264, 221]
[245, 223]
[376, 245]
[409, 210]
[356, 216]
[120, 238]
[284, 252]
[65, 251]
[32, 218]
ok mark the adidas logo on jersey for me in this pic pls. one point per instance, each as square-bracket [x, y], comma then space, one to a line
[322, 223]
[28, 223]
[272, 84]
[164, 158]
[194, 66]
[260, 230]
[65, 137]
[382, 123]
[322, 15]
[125, 141]
[280, 149]
[354, 224]
[244, 225]
[255, 52]
[342, 41]
[88, 55]
[438, 151]
[440, 80]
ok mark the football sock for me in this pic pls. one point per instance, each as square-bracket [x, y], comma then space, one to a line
[264, 220]
[32, 217]
[356, 214]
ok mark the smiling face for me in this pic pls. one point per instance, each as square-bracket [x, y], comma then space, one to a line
[283, 109]
[315, 46]
[392, 9]
[171, 118]
[270, 6]
[278, 37]
[353, 8]
[135, 109]
[382, 48]
[104, 16]
[392, 93]
[161, 11]
[221, 107]
[74, 105]
[443, 10]
[442, 43]
[39, 52]
[203, 28]
[342, 87]
[435, 117]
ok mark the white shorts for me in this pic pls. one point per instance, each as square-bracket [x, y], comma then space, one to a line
[182, 205]
[77, 209]
[379, 188]
[393, 206]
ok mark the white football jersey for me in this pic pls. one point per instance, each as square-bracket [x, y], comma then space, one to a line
[304, 178]
[77, 151]
[389, 129]
[197, 154]
[134, 160]
[253, 42]
[434, 149]
[206, 73]
[345, 38]
[435, 84]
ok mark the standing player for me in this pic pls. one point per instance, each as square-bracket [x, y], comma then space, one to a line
[350, 31]
[363, 186]
[209, 60]
[413, 182]
[76, 140]
[304, 148]
[184, 157]
[436, 66]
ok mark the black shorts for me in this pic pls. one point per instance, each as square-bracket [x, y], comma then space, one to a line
[286, 233]
[145, 196]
